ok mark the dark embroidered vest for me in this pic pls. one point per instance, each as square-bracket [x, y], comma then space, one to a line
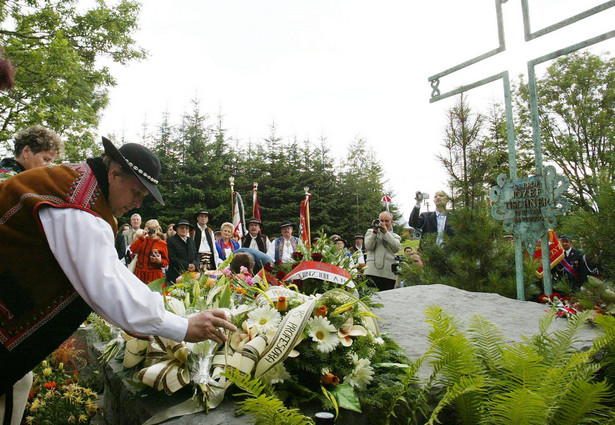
[260, 242]
[39, 307]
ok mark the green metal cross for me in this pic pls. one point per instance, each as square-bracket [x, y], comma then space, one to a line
[546, 189]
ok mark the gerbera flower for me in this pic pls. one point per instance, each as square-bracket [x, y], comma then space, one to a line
[265, 318]
[324, 333]
[361, 375]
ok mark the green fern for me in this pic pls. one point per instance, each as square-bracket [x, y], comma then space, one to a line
[262, 404]
[542, 380]
[486, 339]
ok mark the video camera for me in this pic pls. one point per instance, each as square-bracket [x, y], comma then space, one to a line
[397, 264]
[376, 224]
[421, 196]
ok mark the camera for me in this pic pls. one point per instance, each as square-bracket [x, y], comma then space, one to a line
[376, 224]
[397, 264]
[151, 231]
[420, 196]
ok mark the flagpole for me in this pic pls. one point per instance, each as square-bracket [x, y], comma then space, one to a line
[307, 215]
[231, 180]
[254, 195]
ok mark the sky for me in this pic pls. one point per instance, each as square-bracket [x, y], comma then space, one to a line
[338, 69]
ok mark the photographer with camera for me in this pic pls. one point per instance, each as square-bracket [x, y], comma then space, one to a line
[152, 253]
[432, 221]
[382, 245]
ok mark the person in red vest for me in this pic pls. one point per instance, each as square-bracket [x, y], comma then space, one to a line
[63, 217]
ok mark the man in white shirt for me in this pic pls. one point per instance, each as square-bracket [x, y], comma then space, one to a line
[66, 222]
[433, 221]
[359, 250]
[204, 240]
[284, 246]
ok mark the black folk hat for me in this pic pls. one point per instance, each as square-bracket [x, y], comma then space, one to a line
[202, 212]
[255, 220]
[286, 224]
[565, 237]
[142, 162]
[358, 236]
[182, 223]
[338, 239]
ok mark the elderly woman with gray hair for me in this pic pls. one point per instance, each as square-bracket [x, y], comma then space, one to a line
[225, 245]
[35, 146]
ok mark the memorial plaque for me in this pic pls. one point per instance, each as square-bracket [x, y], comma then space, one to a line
[528, 206]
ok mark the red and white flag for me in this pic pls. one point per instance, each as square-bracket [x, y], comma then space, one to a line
[304, 220]
[239, 220]
[386, 200]
[255, 211]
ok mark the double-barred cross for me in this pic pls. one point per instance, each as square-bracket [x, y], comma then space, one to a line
[559, 206]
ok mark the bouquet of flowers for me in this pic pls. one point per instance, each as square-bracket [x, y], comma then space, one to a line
[562, 305]
[57, 398]
[308, 346]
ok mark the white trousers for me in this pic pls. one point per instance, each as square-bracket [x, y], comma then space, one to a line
[21, 389]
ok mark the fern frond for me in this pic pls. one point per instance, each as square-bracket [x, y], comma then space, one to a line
[584, 399]
[269, 410]
[262, 404]
[486, 339]
[518, 407]
[521, 367]
[252, 387]
[464, 391]
[561, 343]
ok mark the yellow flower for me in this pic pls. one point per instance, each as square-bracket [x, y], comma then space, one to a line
[83, 418]
[30, 420]
[47, 372]
[72, 419]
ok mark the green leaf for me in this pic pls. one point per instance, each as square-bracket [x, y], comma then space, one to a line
[346, 397]
[156, 285]
[225, 298]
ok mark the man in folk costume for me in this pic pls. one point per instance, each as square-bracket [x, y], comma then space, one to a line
[204, 240]
[284, 246]
[255, 239]
[64, 217]
[360, 249]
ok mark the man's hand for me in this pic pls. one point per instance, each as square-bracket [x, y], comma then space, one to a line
[208, 324]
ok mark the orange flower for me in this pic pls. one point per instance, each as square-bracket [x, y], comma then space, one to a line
[321, 311]
[50, 385]
[281, 304]
[330, 379]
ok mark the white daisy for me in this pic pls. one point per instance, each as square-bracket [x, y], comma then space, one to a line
[324, 333]
[276, 374]
[361, 375]
[265, 318]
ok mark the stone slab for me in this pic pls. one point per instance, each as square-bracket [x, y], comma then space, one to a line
[403, 315]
